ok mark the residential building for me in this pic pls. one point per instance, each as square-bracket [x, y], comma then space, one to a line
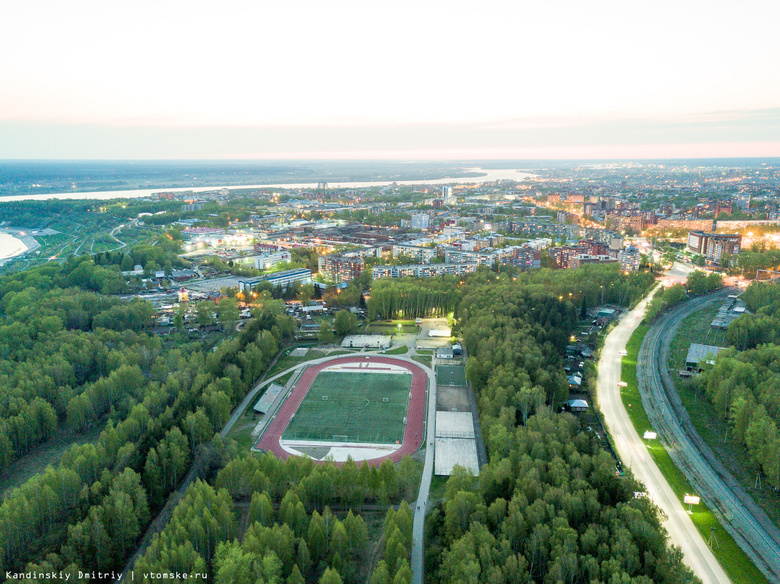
[265, 261]
[267, 247]
[420, 221]
[340, 268]
[629, 259]
[525, 258]
[424, 270]
[714, 246]
[283, 279]
[421, 254]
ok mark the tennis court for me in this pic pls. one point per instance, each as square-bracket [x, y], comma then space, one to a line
[343, 406]
[451, 375]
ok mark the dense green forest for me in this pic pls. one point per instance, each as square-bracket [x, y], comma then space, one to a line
[548, 507]
[763, 325]
[159, 404]
[745, 386]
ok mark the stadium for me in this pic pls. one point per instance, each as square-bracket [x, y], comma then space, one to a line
[366, 407]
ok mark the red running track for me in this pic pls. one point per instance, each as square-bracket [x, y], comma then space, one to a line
[415, 414]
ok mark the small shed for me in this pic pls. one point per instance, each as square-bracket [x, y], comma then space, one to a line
[701, 353]
[577, 405]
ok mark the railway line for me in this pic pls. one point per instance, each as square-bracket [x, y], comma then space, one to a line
[747, 523]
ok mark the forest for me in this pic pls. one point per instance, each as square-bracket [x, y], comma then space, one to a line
[745, 386]
[159, 405]
[548, 506]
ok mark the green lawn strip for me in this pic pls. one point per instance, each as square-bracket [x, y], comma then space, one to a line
[398, 350]
[287, 362]
[739, 568]
[424, 360]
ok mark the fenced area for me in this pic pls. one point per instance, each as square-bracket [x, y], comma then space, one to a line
[342, 406]
[451, 375]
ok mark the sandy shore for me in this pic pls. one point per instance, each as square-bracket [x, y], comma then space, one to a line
[29, 242]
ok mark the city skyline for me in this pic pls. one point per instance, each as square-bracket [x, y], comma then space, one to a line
[401, 81]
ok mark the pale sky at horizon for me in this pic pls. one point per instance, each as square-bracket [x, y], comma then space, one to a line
[249, 79]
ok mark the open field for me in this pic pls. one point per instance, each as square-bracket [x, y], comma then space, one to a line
[41, 456]
[400, 350]
[695, 329]
[352, 407]
[423, 360]
[391, 328]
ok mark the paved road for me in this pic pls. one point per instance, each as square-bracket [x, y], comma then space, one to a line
[747, 523]
[418, 524]
[629, 445]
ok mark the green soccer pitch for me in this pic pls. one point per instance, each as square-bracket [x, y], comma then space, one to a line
[451, 375]
[352, 407]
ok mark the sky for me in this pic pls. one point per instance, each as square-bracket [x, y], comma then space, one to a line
[400, 80]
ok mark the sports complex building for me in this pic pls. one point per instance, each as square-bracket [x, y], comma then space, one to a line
[369, 408]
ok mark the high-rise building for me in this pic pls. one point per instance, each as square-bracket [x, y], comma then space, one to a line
[629, 259]
[714, 246]
[420, 221]
[339, 268]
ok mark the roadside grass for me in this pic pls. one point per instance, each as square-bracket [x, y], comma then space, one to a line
[708, 421]
[735, 562]
[438, 488]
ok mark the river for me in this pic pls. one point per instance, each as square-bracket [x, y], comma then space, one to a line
[489, 175]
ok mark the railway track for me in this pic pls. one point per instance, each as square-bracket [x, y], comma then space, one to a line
[747, 523]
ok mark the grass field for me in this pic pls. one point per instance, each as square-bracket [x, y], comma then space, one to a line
[421, 359]
[735, 562]
[399, 350]
[286, 362]
[391, 328]
[451, 375]
[355, 409]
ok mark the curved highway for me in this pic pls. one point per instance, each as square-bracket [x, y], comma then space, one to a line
[747, 523]
[632, 450]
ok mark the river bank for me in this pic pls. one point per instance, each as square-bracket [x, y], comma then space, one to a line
[488, 175]
[15, 242]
